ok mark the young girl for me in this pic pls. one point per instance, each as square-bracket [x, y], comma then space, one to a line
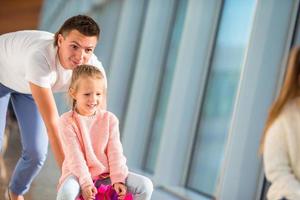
[91, 143]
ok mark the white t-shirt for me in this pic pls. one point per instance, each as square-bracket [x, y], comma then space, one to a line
[30, 56]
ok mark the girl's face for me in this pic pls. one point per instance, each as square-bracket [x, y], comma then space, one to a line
[89, 95]
[75, 49]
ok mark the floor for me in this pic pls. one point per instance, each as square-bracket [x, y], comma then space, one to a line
[44, 184]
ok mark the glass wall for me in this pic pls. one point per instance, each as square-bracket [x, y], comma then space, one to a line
[220, 94]
[187, 80]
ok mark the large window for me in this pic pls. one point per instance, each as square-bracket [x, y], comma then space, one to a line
[187, 80]
[219, 97]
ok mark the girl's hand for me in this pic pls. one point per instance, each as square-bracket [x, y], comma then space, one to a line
[89, 192]
[120, 189]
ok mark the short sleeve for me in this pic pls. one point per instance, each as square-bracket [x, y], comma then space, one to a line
[38, 70]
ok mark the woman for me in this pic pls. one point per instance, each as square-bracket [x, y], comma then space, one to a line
[281, 139]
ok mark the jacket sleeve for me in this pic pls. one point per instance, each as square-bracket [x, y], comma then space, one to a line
[74, 156]
[277, 163]
[116, 159]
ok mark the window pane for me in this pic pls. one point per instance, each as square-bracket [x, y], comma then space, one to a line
[215, 116]
[155, 135]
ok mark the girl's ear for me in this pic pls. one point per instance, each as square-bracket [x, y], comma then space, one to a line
[72, 93]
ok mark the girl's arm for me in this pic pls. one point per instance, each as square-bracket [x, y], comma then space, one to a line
[75, 160]
[44, 99]
[116, 159]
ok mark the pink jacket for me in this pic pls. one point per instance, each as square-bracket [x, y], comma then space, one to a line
[92, 147]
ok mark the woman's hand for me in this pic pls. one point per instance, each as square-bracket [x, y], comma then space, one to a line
[121, 189]
[89, 192]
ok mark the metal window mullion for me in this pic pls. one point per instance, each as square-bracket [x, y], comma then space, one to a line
[187, 85]
[202, 92]
[124, 56]
[161, 79]
[146, 78]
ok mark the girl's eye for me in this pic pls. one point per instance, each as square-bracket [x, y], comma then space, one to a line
[86, 94]
[98, 94]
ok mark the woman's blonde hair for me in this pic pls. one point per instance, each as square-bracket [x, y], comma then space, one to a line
[85, 71]
[289, 90]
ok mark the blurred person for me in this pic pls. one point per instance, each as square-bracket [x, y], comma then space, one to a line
[280, 143]
[35, 64]
[91, 143]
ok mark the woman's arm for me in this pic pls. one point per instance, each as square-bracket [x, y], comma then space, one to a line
[277, 162]
[44, 99]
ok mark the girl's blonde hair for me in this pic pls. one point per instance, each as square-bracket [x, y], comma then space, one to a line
[289, 90]
[86, 71]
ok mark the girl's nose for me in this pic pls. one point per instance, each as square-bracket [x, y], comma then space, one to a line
[93, 97]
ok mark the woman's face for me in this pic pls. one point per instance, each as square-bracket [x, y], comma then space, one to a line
[75, 49]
